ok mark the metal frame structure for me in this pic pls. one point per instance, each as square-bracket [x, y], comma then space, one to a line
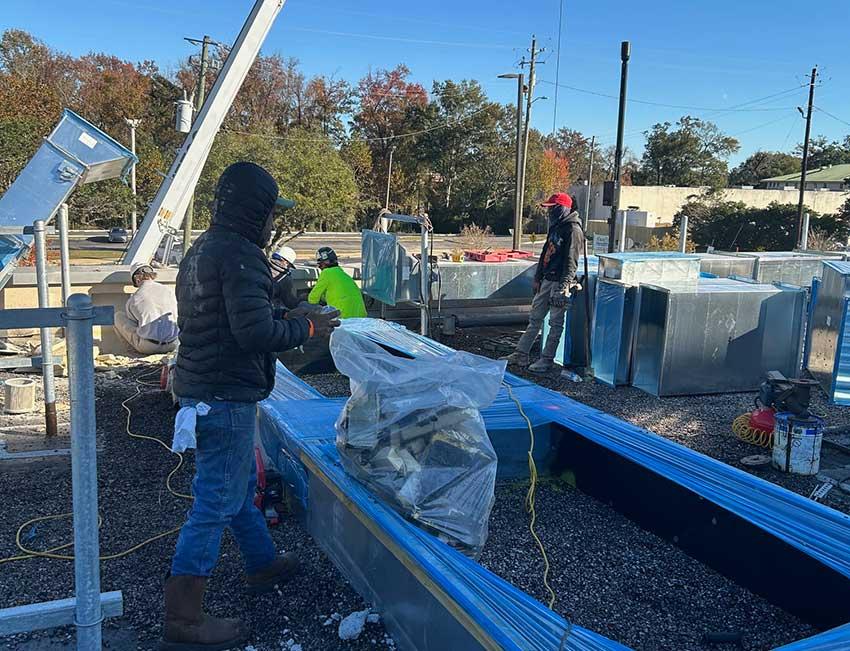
[424, 262]
[165, 214]
[89, 607]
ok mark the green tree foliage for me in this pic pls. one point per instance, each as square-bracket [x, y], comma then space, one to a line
[823, 153]
[307, 167]
[692, 154]
[730, 225]
[764, 165]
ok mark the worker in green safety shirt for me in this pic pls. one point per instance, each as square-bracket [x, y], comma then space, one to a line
[335, 287]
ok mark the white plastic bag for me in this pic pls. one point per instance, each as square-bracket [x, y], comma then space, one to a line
[185, 423]
[412, 432]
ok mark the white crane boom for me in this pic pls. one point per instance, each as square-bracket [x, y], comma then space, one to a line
[166, 212]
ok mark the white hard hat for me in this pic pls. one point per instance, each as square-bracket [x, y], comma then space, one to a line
[141, 266]
[285, 253]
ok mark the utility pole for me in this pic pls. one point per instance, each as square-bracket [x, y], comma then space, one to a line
[805, 163]
[133, 124]
[517, 238]
[529, 100]
[589, 185]
[625, 53]
[199, 102]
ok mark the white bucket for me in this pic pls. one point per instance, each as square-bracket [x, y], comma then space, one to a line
[797, 444]
[19, 395]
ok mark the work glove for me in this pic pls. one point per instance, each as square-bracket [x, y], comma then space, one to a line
[304, 309]
[323, 322]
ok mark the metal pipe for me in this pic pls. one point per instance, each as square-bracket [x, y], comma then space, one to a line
[46, 338]
[80, 318]
[621, 246]
[625, 54]
[589, 185]
[134, 216]
[424, 280]
[804, 236]
[683, 234]
[517, 243]
[64, 254]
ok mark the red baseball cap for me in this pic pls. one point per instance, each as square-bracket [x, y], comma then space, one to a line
[558, 199]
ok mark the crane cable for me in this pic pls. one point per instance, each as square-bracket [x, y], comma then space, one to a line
[52, 552]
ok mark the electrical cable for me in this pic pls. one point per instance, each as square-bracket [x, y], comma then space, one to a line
[834, 117]
[51, 553]
[529, 498]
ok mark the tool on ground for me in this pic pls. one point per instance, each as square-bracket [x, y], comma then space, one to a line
[776, 394]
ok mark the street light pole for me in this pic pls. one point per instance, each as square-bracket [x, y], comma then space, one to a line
[625, 53]
[517, 238]
[133, 124]
[389, 178]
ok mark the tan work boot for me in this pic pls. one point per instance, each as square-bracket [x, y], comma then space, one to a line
[276, 573]
[187, 627]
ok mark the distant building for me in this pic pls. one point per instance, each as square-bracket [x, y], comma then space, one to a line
[835, 178]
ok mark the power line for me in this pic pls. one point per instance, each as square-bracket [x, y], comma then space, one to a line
[419, 132]
[664, 105]
[834, 117]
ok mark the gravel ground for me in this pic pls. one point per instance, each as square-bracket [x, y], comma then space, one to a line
[621, 581]
[703, 423]
[135, 505]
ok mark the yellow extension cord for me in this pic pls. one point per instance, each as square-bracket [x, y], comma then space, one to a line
[529, 498]
[748, 434]
[51, 553]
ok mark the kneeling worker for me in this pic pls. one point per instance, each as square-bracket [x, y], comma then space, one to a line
[282, 263]
[335, 287]
[149, 322]
[554, 280]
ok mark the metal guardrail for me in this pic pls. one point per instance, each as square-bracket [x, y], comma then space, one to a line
[88, 608]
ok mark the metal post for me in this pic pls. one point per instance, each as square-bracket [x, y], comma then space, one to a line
[683, 234]
[80, 318]
[589, 185]
[623, 223]
[46, 338]
[64, 254]
[517, 236]
[424, 281]
[804, 237]
[134, 215]
[805, 161]
[517, 243]
[625, 53]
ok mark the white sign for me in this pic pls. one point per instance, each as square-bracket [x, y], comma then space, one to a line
[600, 244]
[87, 140]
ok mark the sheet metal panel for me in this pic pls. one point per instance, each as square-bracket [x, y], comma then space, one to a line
[791, 267]
[723, 266]
[829, 350]
[721, 336]
[613, 331]
[649, 267]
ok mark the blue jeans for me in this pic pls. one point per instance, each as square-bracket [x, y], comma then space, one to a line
[224, 488]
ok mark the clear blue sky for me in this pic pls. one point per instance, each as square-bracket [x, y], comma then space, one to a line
[700, 54]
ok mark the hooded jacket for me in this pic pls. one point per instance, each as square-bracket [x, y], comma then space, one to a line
[228, 335]
[564, 246]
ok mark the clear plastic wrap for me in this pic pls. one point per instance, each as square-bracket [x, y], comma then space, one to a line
[413, 434]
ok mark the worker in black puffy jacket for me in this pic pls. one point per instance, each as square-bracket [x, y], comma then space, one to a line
[226, 364]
